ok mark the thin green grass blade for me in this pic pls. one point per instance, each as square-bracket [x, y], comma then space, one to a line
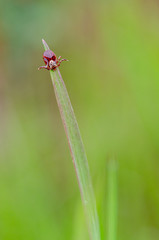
[112, 201]
[77, 152]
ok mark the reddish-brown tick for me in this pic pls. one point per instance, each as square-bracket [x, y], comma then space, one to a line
[51, 61]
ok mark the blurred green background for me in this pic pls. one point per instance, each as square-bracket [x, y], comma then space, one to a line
[113, 81]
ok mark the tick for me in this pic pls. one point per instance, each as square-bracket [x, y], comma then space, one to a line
[51, 61]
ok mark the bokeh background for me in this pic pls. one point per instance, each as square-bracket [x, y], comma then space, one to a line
[113, 82]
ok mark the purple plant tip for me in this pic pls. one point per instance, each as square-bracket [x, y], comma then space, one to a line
[45, 45]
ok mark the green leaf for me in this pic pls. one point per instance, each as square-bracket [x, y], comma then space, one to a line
[112, 200]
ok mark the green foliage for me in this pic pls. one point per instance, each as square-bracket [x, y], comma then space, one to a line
[112, 201]
[112, 77]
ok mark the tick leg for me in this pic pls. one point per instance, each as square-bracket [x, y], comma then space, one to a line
[58, 59]
[59, 62]
[46, 67]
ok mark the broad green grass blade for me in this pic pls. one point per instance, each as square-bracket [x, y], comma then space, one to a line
[77, 151]
[112, 201]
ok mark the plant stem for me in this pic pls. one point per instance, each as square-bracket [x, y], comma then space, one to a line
[77, 152]
[112, 201]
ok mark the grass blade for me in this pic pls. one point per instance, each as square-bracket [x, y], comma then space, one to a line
[112, 201]
[77, 152]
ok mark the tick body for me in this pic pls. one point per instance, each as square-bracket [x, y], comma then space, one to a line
[51, 61]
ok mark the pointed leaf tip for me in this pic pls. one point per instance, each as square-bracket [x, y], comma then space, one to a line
[46, 47]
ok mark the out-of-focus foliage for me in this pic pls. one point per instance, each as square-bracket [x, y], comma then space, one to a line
[113, 81]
